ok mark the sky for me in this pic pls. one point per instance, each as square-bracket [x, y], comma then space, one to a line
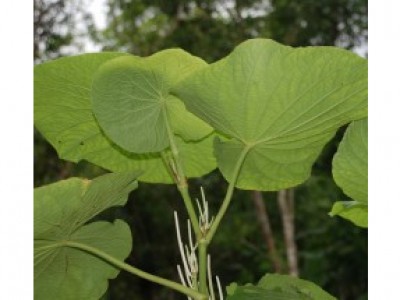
[98, 10]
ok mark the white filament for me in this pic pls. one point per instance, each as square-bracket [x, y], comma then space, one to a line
[221, 295]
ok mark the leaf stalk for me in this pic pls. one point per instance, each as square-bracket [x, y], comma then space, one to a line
[228, 196]
[180, 178]
[124, 266]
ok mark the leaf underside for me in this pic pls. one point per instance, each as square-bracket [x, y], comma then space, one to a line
[63, 114]
[350, 172]
[350, 163]
[61, 213]
[132, 100]
[280, 104]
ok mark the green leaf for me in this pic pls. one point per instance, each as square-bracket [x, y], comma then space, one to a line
[63, 114]
[353, 211]
[63, 111]
[278, 287]
[309, 288]
[68, 273]
[279, 104]
[350, 172]
[350, 163]
[256, 293]
[133, 104]
[153, 165]
[61, 213]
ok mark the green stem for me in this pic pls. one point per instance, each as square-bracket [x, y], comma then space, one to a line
[165, 159]
[120, 264]
[228, 196]
[203, 267]
[180, 179]
[190, 209]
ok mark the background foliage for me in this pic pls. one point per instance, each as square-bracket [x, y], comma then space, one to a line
[332, 252]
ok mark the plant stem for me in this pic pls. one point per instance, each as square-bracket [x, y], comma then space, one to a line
[124, 266]
[165, 159]
[191, 212]
[180, 179]
[203, 267]
[228, 196]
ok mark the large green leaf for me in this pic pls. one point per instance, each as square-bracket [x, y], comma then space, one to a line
[350, 172]
[279, 104]
[63, 114]
[132, 100]
[278, 287]
[61, 211]
[63, 111]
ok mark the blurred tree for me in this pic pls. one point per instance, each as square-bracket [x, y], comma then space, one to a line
[50, 20]
[210, 29]
[325, 22]
[58, 29]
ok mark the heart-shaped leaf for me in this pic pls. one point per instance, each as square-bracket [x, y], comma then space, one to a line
[61, 211]
[279, 105]
[350, 172]
[63, 114]
[132, 100]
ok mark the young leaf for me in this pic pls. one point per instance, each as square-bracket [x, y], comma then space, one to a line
[279, 105]
[132, 100]
[61, 211]
[350, 172]
[63, 114]
[279, 287]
